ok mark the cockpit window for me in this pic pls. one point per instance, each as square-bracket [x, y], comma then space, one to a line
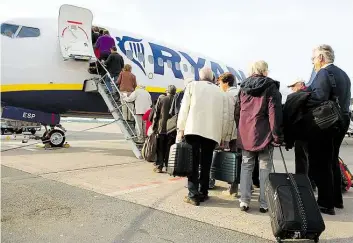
[28, 32]
[9, 30]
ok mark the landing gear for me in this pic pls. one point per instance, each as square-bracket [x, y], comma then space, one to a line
[55, 137]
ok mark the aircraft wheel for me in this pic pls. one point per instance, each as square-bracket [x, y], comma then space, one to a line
[33, 131]
[56, 138]
[19, 131]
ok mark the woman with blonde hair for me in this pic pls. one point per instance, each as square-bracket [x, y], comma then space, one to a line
[258, 114]
[127, 84]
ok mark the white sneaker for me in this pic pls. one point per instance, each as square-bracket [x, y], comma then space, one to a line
[244, 206]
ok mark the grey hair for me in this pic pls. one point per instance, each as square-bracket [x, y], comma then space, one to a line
[327, 52]
[206, 74]
[259, 67]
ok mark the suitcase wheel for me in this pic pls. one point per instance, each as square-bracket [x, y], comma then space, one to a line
[316, 239]
[279, 240]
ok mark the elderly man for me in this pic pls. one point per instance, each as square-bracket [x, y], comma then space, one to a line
[203, 120]
[324, 145]
[159, 126]
[297, 85]
[300, 145]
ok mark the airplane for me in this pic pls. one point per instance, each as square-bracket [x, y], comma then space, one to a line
[45, 62]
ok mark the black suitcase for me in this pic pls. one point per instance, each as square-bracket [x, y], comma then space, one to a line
[292, 205]
[180, 160]
[225, 166]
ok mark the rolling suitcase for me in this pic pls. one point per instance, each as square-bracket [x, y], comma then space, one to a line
[180, 160]
[293, 209]
[225, 166]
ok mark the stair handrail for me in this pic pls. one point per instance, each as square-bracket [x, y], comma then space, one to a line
[123, 102]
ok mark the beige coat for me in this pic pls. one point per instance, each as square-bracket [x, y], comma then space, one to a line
[204, 111]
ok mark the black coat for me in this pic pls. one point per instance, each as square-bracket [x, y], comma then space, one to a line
[294, 127]
[161, 114]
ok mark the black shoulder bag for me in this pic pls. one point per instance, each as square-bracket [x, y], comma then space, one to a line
[328, 114]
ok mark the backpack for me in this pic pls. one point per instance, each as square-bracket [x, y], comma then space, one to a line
[347, 177]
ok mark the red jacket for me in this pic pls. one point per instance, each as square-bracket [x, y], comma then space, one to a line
[258, 113]
[145, 118]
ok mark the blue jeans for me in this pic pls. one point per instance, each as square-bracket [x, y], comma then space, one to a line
[265, 166]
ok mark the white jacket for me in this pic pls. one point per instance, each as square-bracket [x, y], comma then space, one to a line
[142, 100]
[204, 111]
[232, 94]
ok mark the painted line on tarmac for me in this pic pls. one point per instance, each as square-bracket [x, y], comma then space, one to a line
[142, 187]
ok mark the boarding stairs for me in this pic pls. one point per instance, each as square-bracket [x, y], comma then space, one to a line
[115, 103]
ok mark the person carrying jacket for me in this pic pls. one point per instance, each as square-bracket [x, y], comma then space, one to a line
[258, 113]
[295, 133]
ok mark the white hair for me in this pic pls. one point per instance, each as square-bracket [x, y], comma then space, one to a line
[206, 74]
[258, 67]
[327, 52]
[188, 80]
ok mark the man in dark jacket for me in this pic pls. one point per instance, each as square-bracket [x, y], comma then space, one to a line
[258, 113]
[114, 64]
[159, 126]
[294, 129]
[325, 144]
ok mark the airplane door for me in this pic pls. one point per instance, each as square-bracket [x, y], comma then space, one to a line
[74, 29]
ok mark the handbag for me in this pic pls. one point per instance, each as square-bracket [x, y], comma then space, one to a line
[328, 114]
[149, 149]
[172, 124]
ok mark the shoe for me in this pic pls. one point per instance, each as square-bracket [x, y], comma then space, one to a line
[263, 210]
[203, 198]
[157, 170]
[339, 205]
[329, 211]
[256, 185]
[212, 184]
[244, 206]
[192, 201]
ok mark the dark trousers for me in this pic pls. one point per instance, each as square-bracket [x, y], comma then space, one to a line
[164, 142]
[337, 141]
[202, 149]
[325, 169]
[302, 159]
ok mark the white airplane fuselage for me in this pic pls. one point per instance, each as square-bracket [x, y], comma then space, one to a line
[34, 74]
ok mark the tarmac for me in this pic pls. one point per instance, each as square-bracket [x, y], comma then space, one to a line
[97, 191]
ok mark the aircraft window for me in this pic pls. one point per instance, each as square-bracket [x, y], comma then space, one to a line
[177, 66]
[169, 64]
[28, 32]
[150, 59]
[8, 30]
[160, 62]
[141, 57]
[192, 69]
[185, 67]
[129, 54]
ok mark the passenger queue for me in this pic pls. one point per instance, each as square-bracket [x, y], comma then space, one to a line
[213, 114]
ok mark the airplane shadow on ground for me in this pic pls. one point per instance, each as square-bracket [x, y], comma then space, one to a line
[135, 226]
